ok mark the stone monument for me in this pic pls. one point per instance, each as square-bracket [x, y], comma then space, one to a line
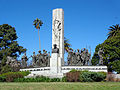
[58, 31]
[53, 66]
[57, 56]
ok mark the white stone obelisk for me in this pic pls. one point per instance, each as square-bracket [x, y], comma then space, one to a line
[58, 31]
[58, 39]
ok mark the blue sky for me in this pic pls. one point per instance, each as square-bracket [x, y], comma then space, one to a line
[85, 21]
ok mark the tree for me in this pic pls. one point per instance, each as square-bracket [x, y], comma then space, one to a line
[114, 29]
[66, 44]
[8, 43]
[37, 23]
[111, 47]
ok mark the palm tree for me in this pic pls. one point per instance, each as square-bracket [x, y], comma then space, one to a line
[66, 45]
[114, 29]
[37, 23]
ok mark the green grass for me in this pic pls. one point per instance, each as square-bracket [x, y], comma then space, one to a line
[61, 86]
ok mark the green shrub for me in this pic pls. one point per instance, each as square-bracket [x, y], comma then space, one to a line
[92, 76]
[2, 79]
[85, 76]
[55, 80]
[64, 79]
[38, 79]
[73, 70]
[10, 76]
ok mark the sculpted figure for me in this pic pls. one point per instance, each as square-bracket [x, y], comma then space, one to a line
[12, 62]
[87, 57]
[39, 59]
[78, 55]
[69, 58]
[55, 49]
[100, 52]
[83, 56]
[57, 28]
[74, 61]
[34, 59]
[24, 60]
[44, 58]
[48, 60]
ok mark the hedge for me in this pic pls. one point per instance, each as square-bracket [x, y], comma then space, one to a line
[85, 76]
[10, 76]
[40, 79]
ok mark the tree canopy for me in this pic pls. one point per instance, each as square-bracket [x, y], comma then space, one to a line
[111, 47]
[8, 44]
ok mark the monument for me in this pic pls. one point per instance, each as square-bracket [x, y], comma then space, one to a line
[58, 32]
[57, 56]
[53, 66]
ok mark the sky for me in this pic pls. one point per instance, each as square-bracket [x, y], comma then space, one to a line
[86, 22]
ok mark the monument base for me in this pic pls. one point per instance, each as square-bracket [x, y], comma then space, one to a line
[46, 71]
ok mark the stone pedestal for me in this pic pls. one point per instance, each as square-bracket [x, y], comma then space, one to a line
[54, 63]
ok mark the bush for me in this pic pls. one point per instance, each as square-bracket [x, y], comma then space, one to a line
[10, 76]
[73, 70]
[64, 79]
[92, 76]
[85, 76]
[40, 79]
[73, 76]
[2, 79]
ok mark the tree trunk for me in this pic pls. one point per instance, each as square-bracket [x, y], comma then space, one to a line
[39, 39]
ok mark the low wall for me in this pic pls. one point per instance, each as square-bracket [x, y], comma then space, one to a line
[37, 71]
[66, 69]
[45, 71]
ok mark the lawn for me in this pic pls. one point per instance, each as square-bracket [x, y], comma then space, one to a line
[61, 86]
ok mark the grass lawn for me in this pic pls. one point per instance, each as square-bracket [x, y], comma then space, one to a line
[60, 86]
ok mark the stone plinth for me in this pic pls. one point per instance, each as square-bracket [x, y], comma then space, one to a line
[54, 63]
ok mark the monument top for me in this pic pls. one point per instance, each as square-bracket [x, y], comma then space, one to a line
[58, 8]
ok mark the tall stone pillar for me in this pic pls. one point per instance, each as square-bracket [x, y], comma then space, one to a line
[57, 56]
[58, 32]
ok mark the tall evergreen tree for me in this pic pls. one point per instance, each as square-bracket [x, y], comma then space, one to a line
[8, 43]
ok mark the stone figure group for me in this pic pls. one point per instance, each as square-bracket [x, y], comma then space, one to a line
[41, 59]
[12, 62]
[78, 58]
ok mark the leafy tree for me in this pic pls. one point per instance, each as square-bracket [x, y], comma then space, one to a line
[37, 23]
[111, 47]
[66, 44]
[8, 43]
